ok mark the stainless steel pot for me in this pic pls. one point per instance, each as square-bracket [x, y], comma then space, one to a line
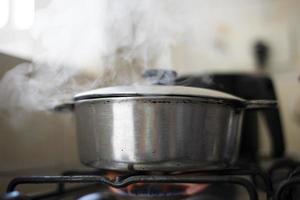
[159, 128]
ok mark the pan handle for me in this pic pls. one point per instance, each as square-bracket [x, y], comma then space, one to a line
[64, 107]
[261, 104]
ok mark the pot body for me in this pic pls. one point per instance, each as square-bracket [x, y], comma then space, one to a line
[160, 133]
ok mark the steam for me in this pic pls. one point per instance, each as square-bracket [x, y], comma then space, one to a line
[82, 45]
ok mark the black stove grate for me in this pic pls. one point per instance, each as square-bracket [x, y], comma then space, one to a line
[236, 176]
[286, 189]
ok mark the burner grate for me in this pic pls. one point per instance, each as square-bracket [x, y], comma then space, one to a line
[235, 176]
[284, 190]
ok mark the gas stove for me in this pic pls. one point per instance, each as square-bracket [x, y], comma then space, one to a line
[236, 182]
[250, 179]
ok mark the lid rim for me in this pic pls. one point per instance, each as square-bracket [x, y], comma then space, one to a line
[234, 102]
[154, 90]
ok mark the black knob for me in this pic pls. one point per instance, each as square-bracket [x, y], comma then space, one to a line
[262, 54]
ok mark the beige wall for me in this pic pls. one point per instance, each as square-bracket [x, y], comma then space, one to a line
[224, 33]
[44, 143]
[288, 88]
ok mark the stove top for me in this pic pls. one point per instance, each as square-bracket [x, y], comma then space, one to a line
[278, 182]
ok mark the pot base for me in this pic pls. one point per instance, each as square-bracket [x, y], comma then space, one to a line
[168, 166]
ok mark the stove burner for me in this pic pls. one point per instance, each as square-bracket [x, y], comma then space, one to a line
[160, 190]
[97, 196]
[232, 176]
[15, 195]
[155, 190]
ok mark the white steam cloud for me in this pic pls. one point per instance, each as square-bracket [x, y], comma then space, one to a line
[82, 45]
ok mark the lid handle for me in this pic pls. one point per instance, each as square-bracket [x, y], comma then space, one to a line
[64, 107]
[160, 76]
[261, 104]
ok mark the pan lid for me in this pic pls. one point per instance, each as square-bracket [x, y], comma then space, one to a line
[156, 90]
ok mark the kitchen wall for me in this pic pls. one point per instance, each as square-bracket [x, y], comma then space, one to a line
[225, 33]
[39, 139]
[42, 143]
[289, 98]
[225, 44]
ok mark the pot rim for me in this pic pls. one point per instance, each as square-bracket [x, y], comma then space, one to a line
[159, 91]
[165, 99]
